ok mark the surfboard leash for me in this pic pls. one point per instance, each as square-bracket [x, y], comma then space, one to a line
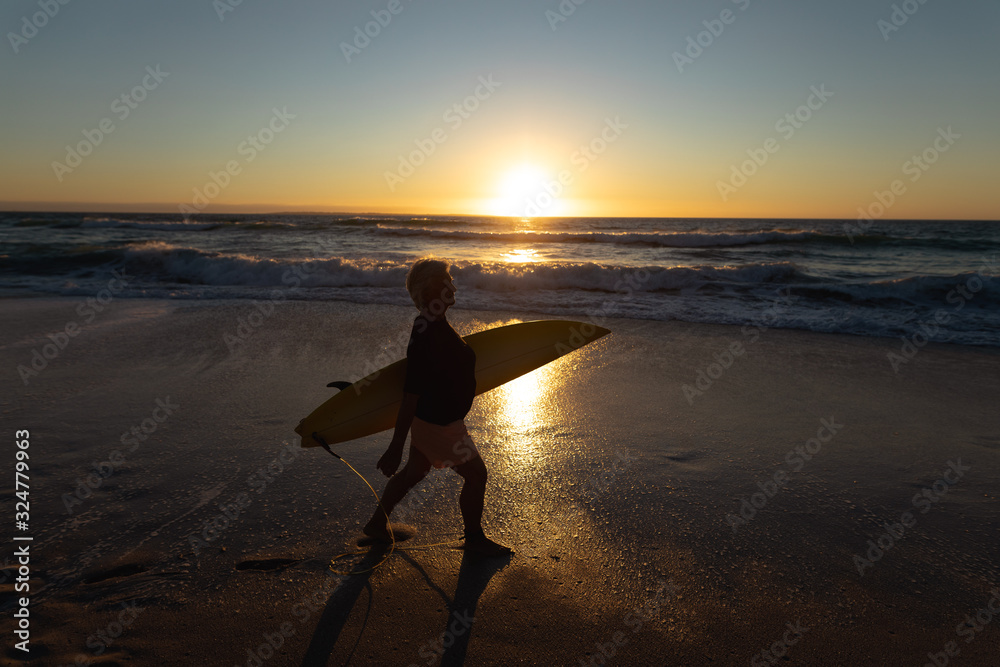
[318, 438]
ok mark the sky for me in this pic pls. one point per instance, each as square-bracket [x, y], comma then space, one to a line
[722, 108]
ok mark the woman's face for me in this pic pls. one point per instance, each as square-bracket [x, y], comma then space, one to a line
[440, 293]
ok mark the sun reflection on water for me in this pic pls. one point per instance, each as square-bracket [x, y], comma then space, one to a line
[519, 409]
[521, 256]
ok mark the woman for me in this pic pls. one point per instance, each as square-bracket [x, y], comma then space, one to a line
[437, 394]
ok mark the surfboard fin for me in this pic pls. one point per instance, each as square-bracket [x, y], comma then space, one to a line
[340, 384]
[322, 442]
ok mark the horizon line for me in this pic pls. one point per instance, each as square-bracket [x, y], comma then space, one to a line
[156, 208]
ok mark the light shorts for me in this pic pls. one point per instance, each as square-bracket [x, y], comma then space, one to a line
[444, 446]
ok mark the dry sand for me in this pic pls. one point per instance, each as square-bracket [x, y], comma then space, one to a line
[613, 488]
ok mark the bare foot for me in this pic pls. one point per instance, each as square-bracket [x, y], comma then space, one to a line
[484, 546]
[378, 530]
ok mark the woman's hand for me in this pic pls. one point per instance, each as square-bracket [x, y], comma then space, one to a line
[389, 462]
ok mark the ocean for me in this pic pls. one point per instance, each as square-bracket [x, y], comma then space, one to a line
[920, 280]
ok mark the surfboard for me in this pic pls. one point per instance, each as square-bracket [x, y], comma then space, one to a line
[370, 405]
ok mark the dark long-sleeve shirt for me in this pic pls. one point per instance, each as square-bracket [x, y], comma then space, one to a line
[441, 369]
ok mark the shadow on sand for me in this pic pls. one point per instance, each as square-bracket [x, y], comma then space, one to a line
[453, 642]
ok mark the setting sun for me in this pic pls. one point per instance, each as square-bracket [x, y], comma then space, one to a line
[522, 192]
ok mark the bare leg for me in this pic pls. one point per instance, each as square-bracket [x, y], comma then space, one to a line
[471, 501]
[396, 488]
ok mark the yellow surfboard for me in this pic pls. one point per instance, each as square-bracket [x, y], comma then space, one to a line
[370, 405]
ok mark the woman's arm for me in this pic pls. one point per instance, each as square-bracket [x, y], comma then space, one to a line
[389, 462]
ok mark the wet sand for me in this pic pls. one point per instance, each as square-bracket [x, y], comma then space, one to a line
[207, 537]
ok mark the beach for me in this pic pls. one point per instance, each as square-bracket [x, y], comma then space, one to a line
[675, 493]
[764, 240]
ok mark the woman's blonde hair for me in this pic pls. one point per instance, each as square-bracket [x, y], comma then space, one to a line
[420, 275]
